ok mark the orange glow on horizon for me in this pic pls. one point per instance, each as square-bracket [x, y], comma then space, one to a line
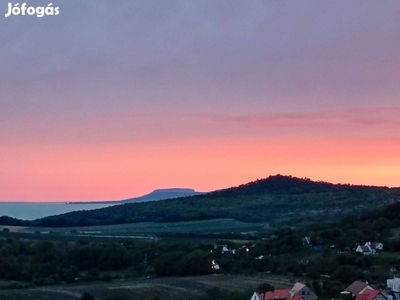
[114, 172]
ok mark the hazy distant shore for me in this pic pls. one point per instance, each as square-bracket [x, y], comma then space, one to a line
[35, 210]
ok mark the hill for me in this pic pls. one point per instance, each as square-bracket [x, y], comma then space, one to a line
[160, 194]
[278, 200]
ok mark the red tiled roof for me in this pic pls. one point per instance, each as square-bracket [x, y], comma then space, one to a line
[361, 297]
[269, 295]
[356, 287]
[277, 294]
[367, 295]
[295, 297]
[281, 294]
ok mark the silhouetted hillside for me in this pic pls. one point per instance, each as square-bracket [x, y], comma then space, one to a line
[279, 200]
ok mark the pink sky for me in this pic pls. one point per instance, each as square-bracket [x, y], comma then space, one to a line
[107, 102]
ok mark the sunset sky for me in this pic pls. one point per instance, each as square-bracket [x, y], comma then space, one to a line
[113, 99]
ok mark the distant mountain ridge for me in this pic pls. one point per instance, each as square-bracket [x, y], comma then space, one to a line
[162, 194]
[278, 200]
[159, 194]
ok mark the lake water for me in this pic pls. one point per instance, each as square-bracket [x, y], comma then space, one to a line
[31, 211]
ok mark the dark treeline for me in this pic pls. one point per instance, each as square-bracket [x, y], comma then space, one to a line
[49, 262]
[277, 200]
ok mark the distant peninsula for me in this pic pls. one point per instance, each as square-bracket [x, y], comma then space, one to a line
[158, 194]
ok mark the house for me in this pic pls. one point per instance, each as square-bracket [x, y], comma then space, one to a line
[298, 292]
[364, 250]
[394, 286]
[303, 291]
[358, 287]
[297, 298]
[275, 295]
[369, 248]
[256, 296]
[214, 265]
[306, 241]
[225, 249]
[368, 294]
[374, 246]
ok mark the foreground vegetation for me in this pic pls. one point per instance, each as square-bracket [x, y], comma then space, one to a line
[327, 264]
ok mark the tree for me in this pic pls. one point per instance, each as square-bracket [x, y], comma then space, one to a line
[382, 224]
[312, 271]
[121, 294]
[167, 264]
[332, 287]
[345, 274]
[265, 287]
[316, 287]
[331, 234]
[195, 263]
[87, 296]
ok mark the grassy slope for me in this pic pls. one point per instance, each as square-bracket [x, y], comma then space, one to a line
[204, 226]
[139, 231]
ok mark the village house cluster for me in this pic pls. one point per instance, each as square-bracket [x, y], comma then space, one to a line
[369, 248]
[363, 291]
[358, 290]
[299, 291]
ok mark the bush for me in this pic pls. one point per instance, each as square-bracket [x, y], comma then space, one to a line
[264, 287]
[87, 296]
[346, 274]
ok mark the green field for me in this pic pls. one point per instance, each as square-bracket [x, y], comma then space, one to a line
[206, 226]
[146, 230]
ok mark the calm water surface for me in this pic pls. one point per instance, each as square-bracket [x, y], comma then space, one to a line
[31, 211]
